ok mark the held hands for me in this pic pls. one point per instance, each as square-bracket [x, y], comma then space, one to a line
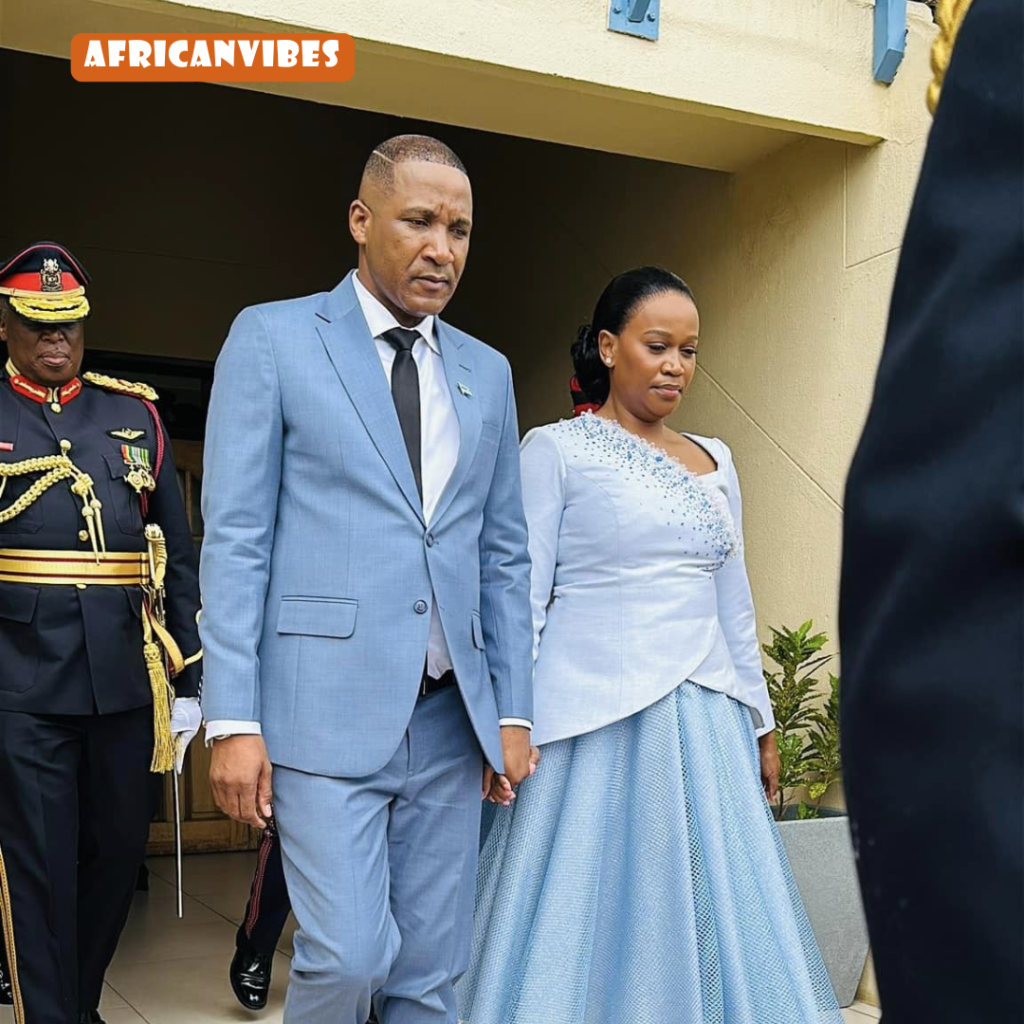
[769, 765]
[500, 789]
[240, 777]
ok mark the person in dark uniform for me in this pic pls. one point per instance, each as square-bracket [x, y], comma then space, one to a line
[6, 990]
[99, 602]
[260, 931]
[932, 599]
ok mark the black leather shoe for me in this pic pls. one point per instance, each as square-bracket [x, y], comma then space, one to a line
[6, 988]
[250, 978]
[90, 1017]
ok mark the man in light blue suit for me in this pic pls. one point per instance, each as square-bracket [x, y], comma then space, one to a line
[366, 613]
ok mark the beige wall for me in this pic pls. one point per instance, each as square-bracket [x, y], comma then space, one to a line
[726, 85]
[216, 198]
[187, 202]
[207, 199]
[748, 61]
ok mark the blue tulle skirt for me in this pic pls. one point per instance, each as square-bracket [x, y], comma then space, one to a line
[640, 879]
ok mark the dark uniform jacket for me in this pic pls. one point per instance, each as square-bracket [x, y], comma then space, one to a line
[932, 607]
[73, 650]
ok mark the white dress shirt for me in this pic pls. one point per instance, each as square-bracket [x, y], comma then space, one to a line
[439, 451]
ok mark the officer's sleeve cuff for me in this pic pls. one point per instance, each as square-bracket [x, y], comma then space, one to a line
[223, 728]
[523, 723]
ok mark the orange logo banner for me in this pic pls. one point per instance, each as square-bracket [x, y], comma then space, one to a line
[247, 57]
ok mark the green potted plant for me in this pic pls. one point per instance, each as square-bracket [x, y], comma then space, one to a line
[816, 835]
[807, 736]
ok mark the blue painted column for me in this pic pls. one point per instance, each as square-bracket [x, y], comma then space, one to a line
[890, 38]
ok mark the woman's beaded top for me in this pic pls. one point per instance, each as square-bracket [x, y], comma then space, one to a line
[688, 501]
[638, 582]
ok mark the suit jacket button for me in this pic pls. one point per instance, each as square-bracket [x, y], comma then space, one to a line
[420, 607]
[430, 540]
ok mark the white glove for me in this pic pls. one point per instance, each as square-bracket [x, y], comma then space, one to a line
[186, 718]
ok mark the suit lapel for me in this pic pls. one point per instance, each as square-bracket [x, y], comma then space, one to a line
[458, 370]
[342, 328]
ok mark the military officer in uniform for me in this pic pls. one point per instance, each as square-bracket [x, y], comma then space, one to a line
[99, 603]
[932, 604]
[6, 991]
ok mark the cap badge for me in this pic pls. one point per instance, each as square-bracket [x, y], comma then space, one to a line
[50, 278]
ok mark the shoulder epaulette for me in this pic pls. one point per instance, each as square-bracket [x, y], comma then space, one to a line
[122, 387]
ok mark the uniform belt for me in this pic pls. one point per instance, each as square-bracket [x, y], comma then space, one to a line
[431, 685]
[74, 568]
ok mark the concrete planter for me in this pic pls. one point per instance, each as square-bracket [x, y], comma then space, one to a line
[821, 855]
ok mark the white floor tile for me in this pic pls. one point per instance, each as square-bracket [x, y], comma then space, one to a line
[866, 1010]
[160, 904]
[115, 1009]
[147, 942]
[210, 873]
[852, 1016]
[168, 971]
[226, 905]
[111, 1000]
[123, 1015]
[194, 990]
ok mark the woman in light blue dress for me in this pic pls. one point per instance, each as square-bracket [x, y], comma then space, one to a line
[638, 876]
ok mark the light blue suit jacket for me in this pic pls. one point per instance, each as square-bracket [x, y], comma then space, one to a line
[318, 569]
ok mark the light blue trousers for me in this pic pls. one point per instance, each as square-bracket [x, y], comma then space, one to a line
[381, 872]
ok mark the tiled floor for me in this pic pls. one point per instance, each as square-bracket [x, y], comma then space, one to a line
[175, 972]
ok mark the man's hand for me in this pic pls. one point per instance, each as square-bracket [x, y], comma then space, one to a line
[497, 788]
[240, 779]
[515, 749]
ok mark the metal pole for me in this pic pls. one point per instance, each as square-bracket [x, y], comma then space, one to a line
[177, 844]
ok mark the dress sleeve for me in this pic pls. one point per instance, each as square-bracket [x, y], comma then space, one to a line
[736, 614]
[543, 472]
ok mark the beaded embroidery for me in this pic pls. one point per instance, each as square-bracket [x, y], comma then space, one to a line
[683, 497]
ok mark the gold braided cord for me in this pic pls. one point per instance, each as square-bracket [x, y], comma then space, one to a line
[7, 930]
[56, 468]
[197, 657]
[122, 387]
[949, 16]
[163, 697]
[160, 651]
[56, 312]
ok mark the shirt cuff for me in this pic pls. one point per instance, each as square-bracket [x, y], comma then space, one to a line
[221, 729]
[523, 723]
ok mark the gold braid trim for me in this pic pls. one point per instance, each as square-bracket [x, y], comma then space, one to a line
[163, 698]
[55, 468]
[949, 16]
[122, 387]
[159, 648]
[7, 922]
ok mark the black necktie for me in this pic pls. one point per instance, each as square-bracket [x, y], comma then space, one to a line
[405, 390]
